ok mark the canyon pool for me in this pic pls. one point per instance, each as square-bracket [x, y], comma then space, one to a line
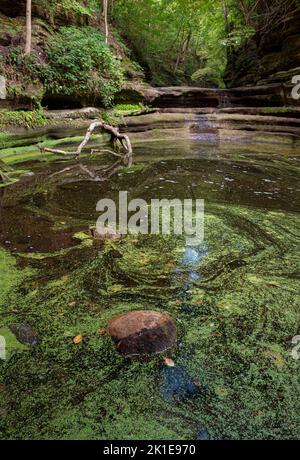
[235, 298]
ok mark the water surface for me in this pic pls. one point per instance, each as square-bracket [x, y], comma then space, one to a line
[235, 298]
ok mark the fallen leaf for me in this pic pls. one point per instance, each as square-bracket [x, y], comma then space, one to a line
[257, 413]
[169, 362]
[217, 334]
[116, 288]
[170, 265]
[102, 331]
[78, 339]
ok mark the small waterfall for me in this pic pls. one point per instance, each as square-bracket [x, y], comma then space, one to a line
[204, 129]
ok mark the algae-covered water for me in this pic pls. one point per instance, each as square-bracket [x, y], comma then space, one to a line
[235, 299]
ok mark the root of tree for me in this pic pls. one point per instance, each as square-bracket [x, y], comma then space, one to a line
[119, 140]
[4, 168]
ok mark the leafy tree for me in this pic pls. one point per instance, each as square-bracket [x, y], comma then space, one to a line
[174, 38]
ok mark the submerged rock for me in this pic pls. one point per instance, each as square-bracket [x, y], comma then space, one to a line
[110, 235]
[143, 332]
[25, 334]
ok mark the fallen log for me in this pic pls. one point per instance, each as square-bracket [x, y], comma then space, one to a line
[118, 139]
[4, 178]
[3, 169]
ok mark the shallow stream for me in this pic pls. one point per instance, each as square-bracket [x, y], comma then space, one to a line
[235, 298]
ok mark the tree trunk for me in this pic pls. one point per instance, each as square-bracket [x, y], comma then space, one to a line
[183, 50]
[225, 13]
[28, 27]
[105, 13]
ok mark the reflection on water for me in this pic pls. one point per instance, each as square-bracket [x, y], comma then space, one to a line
[193, 256]
[178, 384]
[51, 200]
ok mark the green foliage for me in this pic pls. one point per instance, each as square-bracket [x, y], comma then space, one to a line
[4, 140]
[10, 276]
[238, 36]
[23, 81]
[81, 64]
[114, 116]
[175, 38]
[26, 119]
[204, 75]
[129, 107]
[74, 6]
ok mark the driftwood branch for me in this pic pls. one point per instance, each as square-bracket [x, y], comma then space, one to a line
[117, 137]
[3, 178]
[3, 169]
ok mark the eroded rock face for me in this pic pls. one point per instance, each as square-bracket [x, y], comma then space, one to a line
[268, 57]
[143, 332]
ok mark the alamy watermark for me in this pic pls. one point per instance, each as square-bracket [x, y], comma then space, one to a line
[296, 89]
[180, 217]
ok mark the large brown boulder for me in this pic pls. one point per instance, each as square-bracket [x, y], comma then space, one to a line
[143, 332]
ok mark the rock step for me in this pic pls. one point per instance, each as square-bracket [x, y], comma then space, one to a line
[271, 95]
[283, 112]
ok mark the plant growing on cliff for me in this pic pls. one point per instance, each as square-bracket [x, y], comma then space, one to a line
[81, 64]
[22, 118]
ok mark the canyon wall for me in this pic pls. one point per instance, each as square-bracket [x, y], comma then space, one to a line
[268, 59]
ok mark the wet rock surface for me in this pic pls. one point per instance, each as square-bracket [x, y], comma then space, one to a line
[143, 332]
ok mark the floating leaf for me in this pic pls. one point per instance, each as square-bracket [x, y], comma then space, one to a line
[170, 264]
[169, 362]
[78, 339]
[102, 331]
[116, 288]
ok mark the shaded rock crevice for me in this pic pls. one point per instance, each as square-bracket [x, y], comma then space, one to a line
[269, 57]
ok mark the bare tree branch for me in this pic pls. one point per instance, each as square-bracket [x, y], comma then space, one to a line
[123, 140]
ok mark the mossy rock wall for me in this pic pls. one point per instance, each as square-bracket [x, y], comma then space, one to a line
[266, 54]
